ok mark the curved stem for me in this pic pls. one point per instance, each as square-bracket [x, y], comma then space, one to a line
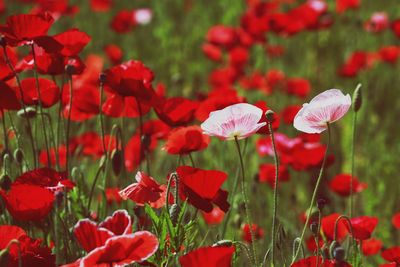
[28, 122]
[298, 245]
[191, 160]
[246, 205]
[314, 195]
[276, 161]
[337, 224]
[351, 203]
[40, 105]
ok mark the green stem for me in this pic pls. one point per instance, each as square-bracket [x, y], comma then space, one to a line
[351, 203]
[314, 195]
[246, 205]
[4, 129]
[102, 117]
[59, 119]
[40, 105]
[141, 148]
[69, 123]
[101, 168]
[28, 122]
[191, 160]
[276, 162]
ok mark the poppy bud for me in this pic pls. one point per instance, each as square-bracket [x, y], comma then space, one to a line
[237, 221]
[28, 112]
[321, 203]
[19, 155]
[146, 140]
[70, 69]
[223, 243]
[5, 182]
[75, 173]
[102, 162]
[357, 98]
[314, 228]
[102, 77]
[333, 246]
[174, 213]
[339, 254]
[59, 198]
[269, 114]
[116, 160]
[4, 255]
[3, 41]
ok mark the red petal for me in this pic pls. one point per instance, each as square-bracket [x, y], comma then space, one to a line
[90, 236]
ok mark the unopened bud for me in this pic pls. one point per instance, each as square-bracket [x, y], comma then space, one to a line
[314, 228]
[339, 254]
[270, 115]
[223, 243]
[357, 98]
[174, 211]
[28, 112]
[102, 77]
[19, 155]
[333, 246]
[146, 140]
[3, 41]
[116, 160]
[321, 203]
[70, 69]
[5, 182]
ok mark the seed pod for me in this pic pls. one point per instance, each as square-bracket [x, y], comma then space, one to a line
[339, 254]
[70, 69]
[4, 255]
[314, 228]
[146, 140]
[116, 161]
[269, 114]
[5, 182]
[19, 155]
[3, 42]
[321, 202]
[174, 213]
[102, 77]
[357, 98]
[223, 243]
[28, 112]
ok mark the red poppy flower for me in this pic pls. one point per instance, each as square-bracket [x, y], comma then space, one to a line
[275, 78]
[314, 261]
[176, 111]
[289, 113]
[90, 235]
[392, 254]
[378, 22]
[114, 53]
[328, 227]
[33, 252]
[49, 92]
[340, 184]
[123, 21]
[112, 195]
[208, 256]
[224, 77]
[45, 178]
[91, 144]
[146, 190]
[73, 41]
[222, 36]
[118, 106]
[156, 128]
[185, 140]
[62, 156]
[307, 156]
[213, 52]
[363, 226]
[85, 104]
[396, 27]
[298, 86]
[24, 28]
[202, 188]
[238, 56]
[216, 216]
[396, 220]
[256, 81]
[5, 71]
[267, 174]
[134, 153]
[284, 144]
[312, 245]
[101, 5]
[121, 251]
[343, 5]
[371, 246]
[257, 230]
[275, 123]
[389, 54]
[8, 98]
[27, 202]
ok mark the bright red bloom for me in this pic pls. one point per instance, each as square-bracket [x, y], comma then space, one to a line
[378, 22]
[392, 254]
[49, 92]
[121, 251]
[156, 128]
[396, 220]
[85, 104]
[216, 216]
[343, 5]
[112, 195]
[396, 27]
[146, 190]
[8, 98]
[91, 144]
[213, 52]
[114, 53]
[24, 28]
[314, 261]
[267, 174]
[90, 235]
[73, 41]
[238, 56]
[185, 140]
[176, 111]
[221, 35]
[46, 178]
[298, 86]
[256, 81]
[208, 256]
[62, 156]
[389, 54]
[257, 230]
[5, 71]
[134, 152]
[101, 5]
[289, 113]
[275, 78]
[123, 21]
[202, 188]
[363, 226]
[33, 252]
[340, 184]
[328, 227]
[27, 202]
[118, 106]
[371, 246]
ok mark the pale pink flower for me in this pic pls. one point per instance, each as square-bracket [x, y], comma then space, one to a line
[326, 107]
[236, 121]
[142, 16]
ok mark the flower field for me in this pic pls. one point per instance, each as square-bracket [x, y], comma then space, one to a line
[199, 133]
